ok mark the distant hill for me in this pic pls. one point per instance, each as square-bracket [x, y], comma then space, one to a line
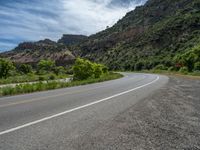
[33, 52]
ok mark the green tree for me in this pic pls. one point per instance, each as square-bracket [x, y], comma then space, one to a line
[197, 66]
[83, 69]
[138, 66]
[160, 67]
[46, 66]
[60, 70]
[104, 69]
[189, 58]
[5, 67]
[24, 68]
[98, 70]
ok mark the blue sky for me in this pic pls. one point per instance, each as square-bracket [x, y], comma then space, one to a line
[32, 20]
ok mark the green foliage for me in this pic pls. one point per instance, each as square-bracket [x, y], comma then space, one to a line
[52, 77]
[139, 40]
[5, 67]
[170, 69]
[160, 67]
[25, 69]
[97, 70]
[45, 66]
[189, 58]
[138, 66]
[183, 70]
[41, 78]
[197, 66]
[29, 88]
[84, 69]
[104, 69]
[59, 70]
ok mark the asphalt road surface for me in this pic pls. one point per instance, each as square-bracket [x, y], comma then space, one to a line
[71, 118]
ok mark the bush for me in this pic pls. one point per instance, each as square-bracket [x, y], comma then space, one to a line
[197, 66]
[171, 69]
[5, 67]
[41, 78]
[84, 69]
[25, 69]
[183, 70]
[45, 66]
[105, 69]
[138, 66]
[160, 67]
[60, 70]
[97, 70]
[189, 58]
[52, 77]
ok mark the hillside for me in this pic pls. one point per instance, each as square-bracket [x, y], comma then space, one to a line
[162, 32]
[150, 35]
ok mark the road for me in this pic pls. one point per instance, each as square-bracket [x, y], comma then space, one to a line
[58, 119]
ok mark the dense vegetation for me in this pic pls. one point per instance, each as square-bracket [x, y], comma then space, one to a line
[161, 35]
[17, 73]
[154, 36]
[84, 69]
[84, 72]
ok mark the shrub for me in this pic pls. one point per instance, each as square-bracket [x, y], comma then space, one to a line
[183, 70]
[5, 67]
[41, 78]
[189, 58]
[45, 66]
[25, 69]
[171, 69]
[197, 66]
[60, 70]
[160, 67]
[83, 69]
[138, 66]
[105, 69]
[97, 70]
[52, 77]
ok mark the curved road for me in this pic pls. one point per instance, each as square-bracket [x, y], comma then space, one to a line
[53, 120]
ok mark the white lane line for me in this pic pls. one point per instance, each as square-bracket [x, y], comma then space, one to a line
[77, 108]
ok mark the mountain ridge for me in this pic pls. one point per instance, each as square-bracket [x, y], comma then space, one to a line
[150, 35]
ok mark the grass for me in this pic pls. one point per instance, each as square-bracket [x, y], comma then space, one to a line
[29, 88]
[30, 78]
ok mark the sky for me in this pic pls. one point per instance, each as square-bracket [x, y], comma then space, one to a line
[32, 20]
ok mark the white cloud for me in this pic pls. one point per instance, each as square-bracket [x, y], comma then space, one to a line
[30, 21]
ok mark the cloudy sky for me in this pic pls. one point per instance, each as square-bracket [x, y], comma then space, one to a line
[31, 20]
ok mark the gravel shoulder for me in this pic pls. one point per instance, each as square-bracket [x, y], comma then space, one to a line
[166, 120]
